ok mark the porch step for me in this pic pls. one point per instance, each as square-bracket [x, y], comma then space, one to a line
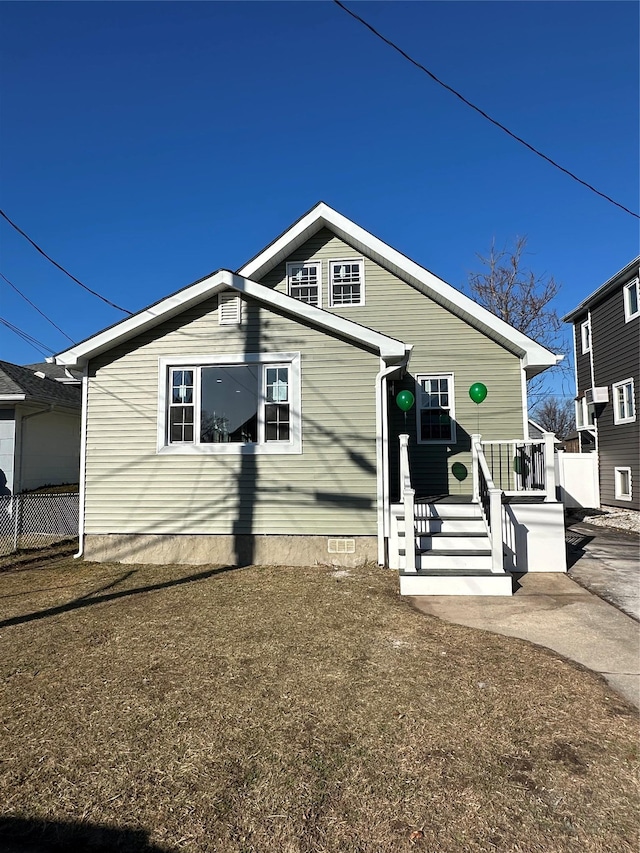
[461, 560]
[470, 540]
[461, 582]
[450, 525]
[447, 510]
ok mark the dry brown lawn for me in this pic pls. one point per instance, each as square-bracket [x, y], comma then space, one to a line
[282, 710]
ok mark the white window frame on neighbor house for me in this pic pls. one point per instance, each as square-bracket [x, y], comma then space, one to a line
[306, 281]
[585, 336]
[448, 406]
[585, 414]
[620, 475]
[335, 267]
[624, 404]
[631, 300]
[285, 395]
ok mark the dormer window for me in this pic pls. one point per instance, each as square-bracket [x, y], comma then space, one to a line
[346, 282]
[304, 282]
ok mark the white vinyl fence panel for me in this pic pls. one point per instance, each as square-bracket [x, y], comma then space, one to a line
[577, 478]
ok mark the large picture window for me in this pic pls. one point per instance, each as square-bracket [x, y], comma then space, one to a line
[435, 409]
[233, 404]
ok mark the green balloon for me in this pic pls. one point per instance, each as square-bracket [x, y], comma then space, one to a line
[478, 392]
[459, 471]
[405, 401]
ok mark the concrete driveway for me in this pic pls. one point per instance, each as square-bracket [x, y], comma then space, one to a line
[552, 610]
[606, 562]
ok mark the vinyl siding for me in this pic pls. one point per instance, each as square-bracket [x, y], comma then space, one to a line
[616, 357]
[443, 343]
[328, 489]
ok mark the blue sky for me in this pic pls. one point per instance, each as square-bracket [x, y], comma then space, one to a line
[144, 145]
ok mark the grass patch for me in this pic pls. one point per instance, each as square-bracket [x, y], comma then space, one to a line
[292, 710]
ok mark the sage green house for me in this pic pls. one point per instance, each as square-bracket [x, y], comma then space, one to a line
[251, 417]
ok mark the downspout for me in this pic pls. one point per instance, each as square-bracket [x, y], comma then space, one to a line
[24, 418]
[83, 459]
[382, 455]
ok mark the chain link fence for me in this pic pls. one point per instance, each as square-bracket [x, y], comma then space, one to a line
[38, 520]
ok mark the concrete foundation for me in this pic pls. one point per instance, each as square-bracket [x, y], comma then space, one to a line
[241, 550]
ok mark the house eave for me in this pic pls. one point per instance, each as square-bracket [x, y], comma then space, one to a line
[626, 273]
[79, 355]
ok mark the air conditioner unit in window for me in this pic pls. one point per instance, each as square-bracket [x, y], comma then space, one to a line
[597, 395]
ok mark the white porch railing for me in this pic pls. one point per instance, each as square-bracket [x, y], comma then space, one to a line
[489, 497]
[403, 517]
[522, 467]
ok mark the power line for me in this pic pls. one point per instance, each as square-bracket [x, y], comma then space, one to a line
[482, 112]
[42, 314]
[56, 264]
[36, 344]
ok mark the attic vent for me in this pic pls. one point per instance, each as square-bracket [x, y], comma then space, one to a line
[230, 309]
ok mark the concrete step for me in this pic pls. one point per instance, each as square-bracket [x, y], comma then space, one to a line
[454, 541]
[455, 583]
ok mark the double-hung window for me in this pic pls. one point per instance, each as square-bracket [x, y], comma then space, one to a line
[435, 409]
[585, 414]
[624, 409]
[232, 404]
[346, 282]
[304, 282]
[585, 332]
[631, 301]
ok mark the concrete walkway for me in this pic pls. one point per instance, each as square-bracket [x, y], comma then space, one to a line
[553, 611]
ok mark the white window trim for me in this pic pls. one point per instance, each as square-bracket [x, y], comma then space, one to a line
[614, 393]
[585, 336]
[585, 415]
[451, 410]
[333, 263]
[290, 359]
[619, 494]
[628, 314]
[291, 264]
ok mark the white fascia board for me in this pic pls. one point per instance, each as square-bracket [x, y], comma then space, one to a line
[12, 398]
[535, 357]
[79, 355]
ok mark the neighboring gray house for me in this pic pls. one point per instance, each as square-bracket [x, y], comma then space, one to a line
[39, 428]
[607, 366]
[254, 417]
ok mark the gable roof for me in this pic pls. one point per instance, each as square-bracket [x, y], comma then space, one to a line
[20, 384]
[626, 274]
[536, 358]
[78, 355]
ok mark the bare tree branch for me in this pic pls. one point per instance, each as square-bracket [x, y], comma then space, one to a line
[513, 292]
